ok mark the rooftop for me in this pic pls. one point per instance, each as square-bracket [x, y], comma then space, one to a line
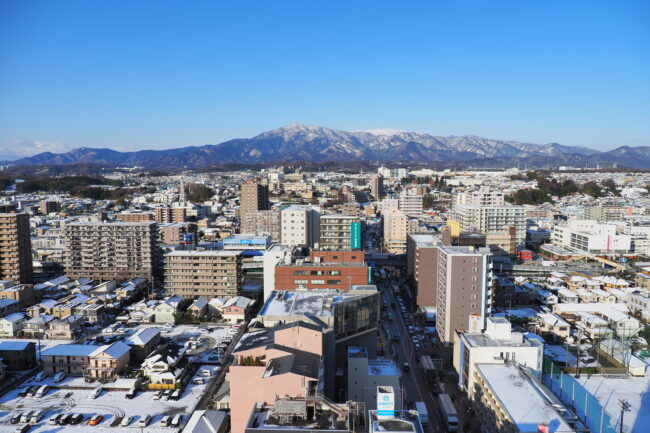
[522, 399]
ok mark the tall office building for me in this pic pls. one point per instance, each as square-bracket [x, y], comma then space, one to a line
[340, 232]
[111, 250]
[15, 248]
[377, 186]
[464, 288]
[254, 196]
[203, 273]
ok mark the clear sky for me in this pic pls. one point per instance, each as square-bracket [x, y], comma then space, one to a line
[138, 74]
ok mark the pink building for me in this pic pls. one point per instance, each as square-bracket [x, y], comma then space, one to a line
[282, 361]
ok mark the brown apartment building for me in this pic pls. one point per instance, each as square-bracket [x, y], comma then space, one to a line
[15, 248]
[464, 288]
[323, 270]
[46, 207]
[254, 197]
[421, 268]
[203, 273]
[111, 250]
[134, 217]
[261, 223]
[170, 214]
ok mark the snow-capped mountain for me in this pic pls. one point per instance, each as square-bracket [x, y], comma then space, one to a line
[296, 142]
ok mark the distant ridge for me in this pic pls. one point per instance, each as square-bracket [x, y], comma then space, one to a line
[296, 142]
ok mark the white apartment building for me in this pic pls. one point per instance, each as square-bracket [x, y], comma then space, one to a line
[299, 226]
[591, 237]
[497, 344]
[480, 197]
[490, 219]
[396, 226]
[410, 204]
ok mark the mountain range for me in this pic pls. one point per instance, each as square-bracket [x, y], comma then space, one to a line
[297, 143]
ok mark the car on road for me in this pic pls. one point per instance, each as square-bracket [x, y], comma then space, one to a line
[406, 367]
[395, 337]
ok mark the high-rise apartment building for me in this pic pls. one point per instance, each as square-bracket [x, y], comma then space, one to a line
[170, 214]
[134, 217]
[377, 186]
[340, 232]
[299, 226]
[464, 288]
[15, 248]
[480, 197]
[261, 223]
[46, 207]
[111, 250]
[254, 197]
[422, 266]
[489, 219]
[203, 273]
[410, 204]
[396, 226]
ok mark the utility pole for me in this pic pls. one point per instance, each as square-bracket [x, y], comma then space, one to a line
[625, 407]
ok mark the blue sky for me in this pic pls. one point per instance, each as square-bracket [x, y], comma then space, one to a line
[158, 74]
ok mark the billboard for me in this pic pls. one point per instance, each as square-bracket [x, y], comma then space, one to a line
[355, 235]
[385, 402]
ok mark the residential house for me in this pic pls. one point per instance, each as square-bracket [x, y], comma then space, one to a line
[8, 306]
[92, 313]
[166, 310]
[236, 309]
[44, 307]
[549, 323]
[166, 366]
[71, 359]
[199, 307]
[143, 342]
[23, 293]
[11, 325]
[18, 355]
[109, 361]
[67, 328]
[36, 326]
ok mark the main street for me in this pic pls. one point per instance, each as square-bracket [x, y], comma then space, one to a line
[415, 385]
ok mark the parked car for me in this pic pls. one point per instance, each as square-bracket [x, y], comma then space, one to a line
[165, 421]
[96, 393]
[176, 421]
[23, 428]
[166, 395]
[157, 395]
[59, 377]
[15, 418]
[22, 392]
[144, 421]
[54, 419]
[176, 395]
[26, 416]
[40, 376]
[96, 419]
[76, 419]
[131, 393]
[126, 421]
[65, 419]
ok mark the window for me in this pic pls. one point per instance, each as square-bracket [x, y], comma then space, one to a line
[335, 272]
[299, 272]
[333, 281]
[301, 281]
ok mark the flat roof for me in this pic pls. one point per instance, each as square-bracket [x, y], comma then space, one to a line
[522, 399]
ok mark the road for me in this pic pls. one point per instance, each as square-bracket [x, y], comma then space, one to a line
[415, 385]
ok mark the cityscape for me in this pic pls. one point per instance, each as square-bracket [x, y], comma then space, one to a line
[209, 225]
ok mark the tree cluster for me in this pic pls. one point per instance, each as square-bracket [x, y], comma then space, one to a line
[198, 193]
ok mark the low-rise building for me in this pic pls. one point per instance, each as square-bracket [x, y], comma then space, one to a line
[18, 355]
[11, 325]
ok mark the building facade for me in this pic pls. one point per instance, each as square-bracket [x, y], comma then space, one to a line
[111, 251]
[15, 248]
[340, 232]
[203, 273]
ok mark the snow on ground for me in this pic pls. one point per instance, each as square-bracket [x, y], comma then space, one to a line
[560, 355]
[636, 390]
[73, 395]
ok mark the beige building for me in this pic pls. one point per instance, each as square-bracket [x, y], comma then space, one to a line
[299, 226]
[134, 217]
[261, 223]
[170, 215]
[15, 248]
[396, 226]
[111, 251]
[336, 232]
[464, 289]
[203, 273]
[254, 196]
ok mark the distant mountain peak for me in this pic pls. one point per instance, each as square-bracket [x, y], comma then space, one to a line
[298, 142]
